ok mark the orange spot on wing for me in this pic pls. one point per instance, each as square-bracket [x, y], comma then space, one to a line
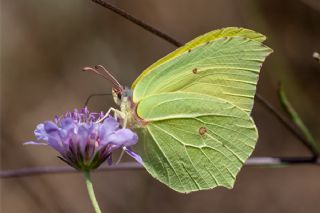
[202, 130]
[195, 70]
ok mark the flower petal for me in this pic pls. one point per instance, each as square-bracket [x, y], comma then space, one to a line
[133, 154]
[111, 122]
[66, 123]
[57, 145]
[40, 132]
[82, 138]
[123, 137]
[109, 125]
[34, 143]
[50, 127]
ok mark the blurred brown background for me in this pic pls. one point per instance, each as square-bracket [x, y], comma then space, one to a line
[44, 45]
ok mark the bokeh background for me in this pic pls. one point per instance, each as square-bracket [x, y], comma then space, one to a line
[44, 45]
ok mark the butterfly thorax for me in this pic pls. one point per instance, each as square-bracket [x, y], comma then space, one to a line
[127, 108]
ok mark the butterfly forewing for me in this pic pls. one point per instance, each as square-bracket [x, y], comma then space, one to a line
[210, 36]
[227, 68]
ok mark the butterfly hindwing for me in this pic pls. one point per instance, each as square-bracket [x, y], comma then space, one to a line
[193, 141]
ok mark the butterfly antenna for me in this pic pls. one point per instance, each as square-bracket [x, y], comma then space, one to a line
[94, 95]
[103, 72]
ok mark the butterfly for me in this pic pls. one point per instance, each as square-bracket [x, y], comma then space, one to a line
[192, 109]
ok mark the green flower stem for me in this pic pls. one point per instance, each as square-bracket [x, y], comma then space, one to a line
[298, 121]
[91, 192]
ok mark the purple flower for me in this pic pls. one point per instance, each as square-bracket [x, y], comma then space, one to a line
[83, 142]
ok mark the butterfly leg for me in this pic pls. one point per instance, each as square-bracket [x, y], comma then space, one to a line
[122, 115]
[121, 155]
[116, 113]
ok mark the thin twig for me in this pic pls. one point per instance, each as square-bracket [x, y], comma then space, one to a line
[286, 122]
[173, 41]
[296, 119]
[255, 161]
[136, 21]
[66, 169]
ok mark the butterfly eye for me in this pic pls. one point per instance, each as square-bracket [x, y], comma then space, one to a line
[119, 95]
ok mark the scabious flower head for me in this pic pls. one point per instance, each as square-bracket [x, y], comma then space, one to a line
[83, 142]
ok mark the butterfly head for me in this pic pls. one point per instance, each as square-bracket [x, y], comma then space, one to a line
[122, 96]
